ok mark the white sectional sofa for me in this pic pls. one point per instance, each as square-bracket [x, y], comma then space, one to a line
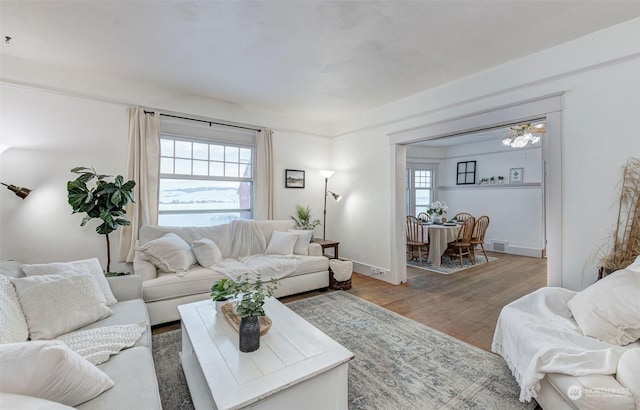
[163, 291]
[132, 370]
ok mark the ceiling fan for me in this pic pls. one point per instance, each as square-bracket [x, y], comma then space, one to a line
[523, 134]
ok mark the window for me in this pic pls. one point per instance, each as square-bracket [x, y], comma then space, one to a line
[420, 189]
[204, 183]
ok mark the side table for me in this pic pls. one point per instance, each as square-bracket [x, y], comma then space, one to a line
[328, 243]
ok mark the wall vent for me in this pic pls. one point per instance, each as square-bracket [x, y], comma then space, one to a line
[499, 246]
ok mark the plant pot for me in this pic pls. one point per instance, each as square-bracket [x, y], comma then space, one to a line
[220, 303]
[438, 219]
[249, 332]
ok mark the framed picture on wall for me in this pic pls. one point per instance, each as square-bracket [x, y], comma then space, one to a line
[516, 175]
[466, 174]
[293, 178]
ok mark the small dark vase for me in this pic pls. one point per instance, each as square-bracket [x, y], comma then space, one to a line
[249, 334]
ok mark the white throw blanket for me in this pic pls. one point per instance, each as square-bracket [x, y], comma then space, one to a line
[246, 239]
[97, 345]
[267, 266]
[536, 335]
[247, 257]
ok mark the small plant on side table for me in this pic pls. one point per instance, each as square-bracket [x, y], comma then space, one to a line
[222, 291]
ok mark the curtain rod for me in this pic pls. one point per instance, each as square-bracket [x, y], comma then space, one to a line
[205, 121]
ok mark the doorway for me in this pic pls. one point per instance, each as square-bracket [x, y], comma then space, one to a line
[546, 108]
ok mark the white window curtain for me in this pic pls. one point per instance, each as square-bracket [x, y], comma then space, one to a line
[263, 207]
[143, 166]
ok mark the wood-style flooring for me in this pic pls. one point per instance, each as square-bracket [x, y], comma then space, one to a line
[464, 305]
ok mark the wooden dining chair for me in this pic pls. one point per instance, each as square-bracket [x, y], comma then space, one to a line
[423, 216]
[462, 245]
[415, 239]
[462, 216]
[480, 229]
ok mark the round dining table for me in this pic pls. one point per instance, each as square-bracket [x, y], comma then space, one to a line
[438, 236]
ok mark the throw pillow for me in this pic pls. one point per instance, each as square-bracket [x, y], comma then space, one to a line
[206, 251]
[20, 402]
[89, 266]
[302, 242]
[58, 304]
[51, 371]
[609, 309]
[169, 253]
[12, 320]
[635, 266]
[281, 243]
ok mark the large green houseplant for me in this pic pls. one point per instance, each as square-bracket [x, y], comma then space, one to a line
[303, 218]
[102, 199]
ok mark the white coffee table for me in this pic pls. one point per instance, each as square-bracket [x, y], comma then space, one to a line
[297, 366]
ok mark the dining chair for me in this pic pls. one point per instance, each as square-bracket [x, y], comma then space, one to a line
[462, 245]
[415, 239]
[479, 230]
[462, 216]
[423, 216]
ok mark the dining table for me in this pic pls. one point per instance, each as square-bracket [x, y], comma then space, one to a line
[438, 237]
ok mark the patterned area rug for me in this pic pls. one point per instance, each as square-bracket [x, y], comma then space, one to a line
[448, 265]
[399, 364]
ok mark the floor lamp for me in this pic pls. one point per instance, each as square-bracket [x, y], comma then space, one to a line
[327, 174]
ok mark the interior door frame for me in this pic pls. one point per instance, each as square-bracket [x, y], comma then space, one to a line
[548, 107]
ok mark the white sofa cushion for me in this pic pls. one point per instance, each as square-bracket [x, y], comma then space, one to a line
[168, 286]
[170, 253]
[87, 266]
[206, 251]
[58, 304]
[609, 309]
[635, 266]
[628, 373]
[12, 321]
[302, 242]
[281, 243]
[50, 370]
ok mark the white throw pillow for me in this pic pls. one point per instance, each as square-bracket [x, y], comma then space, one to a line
[206, 251]
[50, 370]
[635, 266]
[90, 266]
[302, 242]
[58, 304]
[609, 309]
[13, 324]
[170, 253]
[20, 402]
[281, 243]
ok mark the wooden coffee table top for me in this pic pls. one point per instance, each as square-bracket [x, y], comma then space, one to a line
[291, 352]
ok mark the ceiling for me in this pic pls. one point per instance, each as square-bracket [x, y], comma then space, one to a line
[317, 60]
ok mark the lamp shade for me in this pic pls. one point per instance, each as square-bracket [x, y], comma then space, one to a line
[326, 173]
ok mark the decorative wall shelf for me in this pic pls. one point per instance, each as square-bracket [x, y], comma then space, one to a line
[527, 185]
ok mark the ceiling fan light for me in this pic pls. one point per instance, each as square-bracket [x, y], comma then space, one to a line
[519, 142]
[535, 139]
[506, 141]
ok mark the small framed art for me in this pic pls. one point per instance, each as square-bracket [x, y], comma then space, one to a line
[293, 178]
[466, 174]
[516, 175]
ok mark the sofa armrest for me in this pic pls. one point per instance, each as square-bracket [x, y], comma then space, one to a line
[126, 287]
[315, 249]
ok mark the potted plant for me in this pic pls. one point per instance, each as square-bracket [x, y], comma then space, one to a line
[437, 211]
[105, 200]
[249, 297]
[304, 219]
[222, 291]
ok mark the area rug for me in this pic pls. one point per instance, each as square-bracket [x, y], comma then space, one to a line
[448, 265]
[399, 363]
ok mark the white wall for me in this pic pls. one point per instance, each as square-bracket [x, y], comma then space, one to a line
[600, 77]
[51, 131]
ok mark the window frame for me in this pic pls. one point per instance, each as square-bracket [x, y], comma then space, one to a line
[411, 187]
[191, 177]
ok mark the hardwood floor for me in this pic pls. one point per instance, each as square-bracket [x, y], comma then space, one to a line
[464, 305]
